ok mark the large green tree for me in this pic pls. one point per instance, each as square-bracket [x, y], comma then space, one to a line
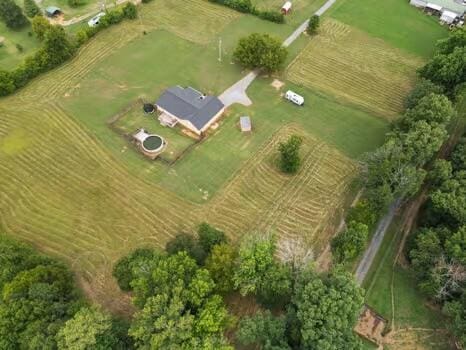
[259, 273]
[422, 88]
[34, 305]
[30, 8]
[179, 307]
[57, 46]
[260, 51]
[290, 161]
[11, 14]
[263, 330]
[349, 243]
[221, 265]
[89, 329]
[327, 310]
[40, 26]
[447, 70]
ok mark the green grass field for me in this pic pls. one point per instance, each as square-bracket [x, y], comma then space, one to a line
[10, 56]
[377, 78]
[395, 21]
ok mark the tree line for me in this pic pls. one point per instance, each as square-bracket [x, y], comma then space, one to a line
[41, 307]
[57, 46]
[437, 250]
[179, 294]
[246, 6]
[398, 169]
[404, 163]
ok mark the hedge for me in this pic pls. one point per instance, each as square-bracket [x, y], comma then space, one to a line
[246, 6]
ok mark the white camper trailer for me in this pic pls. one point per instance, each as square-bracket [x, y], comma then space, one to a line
[294, 97]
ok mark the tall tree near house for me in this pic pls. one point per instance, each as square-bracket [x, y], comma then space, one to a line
[260, 51]
[40, 26]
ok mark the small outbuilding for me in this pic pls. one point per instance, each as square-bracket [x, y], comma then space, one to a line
[245, 124]
[53, 11]
[286, 8]
[448, 17]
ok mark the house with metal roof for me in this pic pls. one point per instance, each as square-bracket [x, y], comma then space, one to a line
[189, 107]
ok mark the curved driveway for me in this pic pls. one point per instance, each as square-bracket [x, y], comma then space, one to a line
[237, 92]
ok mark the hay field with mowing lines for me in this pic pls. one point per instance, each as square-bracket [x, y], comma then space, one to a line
[377, 77]
[261, 198]
[194, 20]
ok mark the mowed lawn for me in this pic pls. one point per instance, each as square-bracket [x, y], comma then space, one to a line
[10, 55]
[355, 67]
[207, 168]
[395, 21]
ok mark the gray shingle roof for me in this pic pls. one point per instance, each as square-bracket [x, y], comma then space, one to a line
[190, 104]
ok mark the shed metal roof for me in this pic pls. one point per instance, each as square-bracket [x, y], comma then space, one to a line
[453, 5]
[245, 123]
[189, 104]
[52, 9]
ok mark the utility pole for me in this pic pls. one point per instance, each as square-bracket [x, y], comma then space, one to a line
[220, 49]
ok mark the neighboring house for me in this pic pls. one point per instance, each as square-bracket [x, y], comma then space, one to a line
[190, 108]
[52, 11]
[448, 10]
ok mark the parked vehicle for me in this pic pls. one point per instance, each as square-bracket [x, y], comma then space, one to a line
[94, 21]
[294, 97]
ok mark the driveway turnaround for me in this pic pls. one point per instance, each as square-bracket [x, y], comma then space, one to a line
[237, 92]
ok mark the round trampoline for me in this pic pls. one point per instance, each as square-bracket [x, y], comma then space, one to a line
[153, 143]
[148, 108]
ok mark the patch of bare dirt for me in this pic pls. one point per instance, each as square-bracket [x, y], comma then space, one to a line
[277, 84]
[371, 325]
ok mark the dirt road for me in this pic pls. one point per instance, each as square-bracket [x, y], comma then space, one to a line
[373, 248]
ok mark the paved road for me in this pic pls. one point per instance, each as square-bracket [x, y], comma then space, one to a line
[237, 92]
[369, 255]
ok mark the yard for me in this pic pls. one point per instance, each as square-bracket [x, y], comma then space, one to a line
[18, 44]
[395, 21]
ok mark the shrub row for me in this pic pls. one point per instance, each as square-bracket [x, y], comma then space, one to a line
[246, 6]
[57, 48]
[112, 17]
